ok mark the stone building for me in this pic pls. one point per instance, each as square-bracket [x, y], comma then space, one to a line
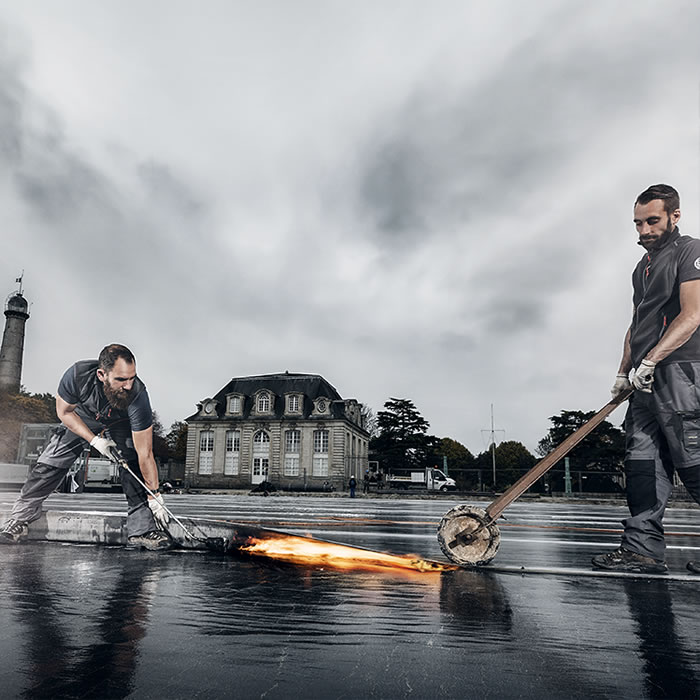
[293, 430]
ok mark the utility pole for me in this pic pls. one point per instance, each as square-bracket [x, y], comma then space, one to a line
[493, 432]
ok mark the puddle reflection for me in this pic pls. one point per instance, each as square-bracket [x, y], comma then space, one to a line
[668, 660]
[88, 622]
[88, 653]
[477, 601]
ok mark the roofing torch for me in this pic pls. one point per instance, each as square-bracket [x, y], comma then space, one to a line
[215, 544]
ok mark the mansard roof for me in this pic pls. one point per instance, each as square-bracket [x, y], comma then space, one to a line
[312, 386]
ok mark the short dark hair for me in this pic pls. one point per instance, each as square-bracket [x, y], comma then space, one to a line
[111, 353]
[666, 193]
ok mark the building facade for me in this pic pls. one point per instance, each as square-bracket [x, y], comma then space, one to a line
[293, 430]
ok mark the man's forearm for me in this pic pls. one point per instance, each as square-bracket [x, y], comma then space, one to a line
[626, 361]
[679, 332]
[76, 425]
[149, 471]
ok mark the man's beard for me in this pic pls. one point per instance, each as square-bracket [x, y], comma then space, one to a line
[655, 244]
[118, 398]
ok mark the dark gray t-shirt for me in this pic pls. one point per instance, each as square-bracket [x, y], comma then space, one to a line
[656, 282]
[80, 386]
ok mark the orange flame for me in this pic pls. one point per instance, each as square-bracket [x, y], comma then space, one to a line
[310, 552]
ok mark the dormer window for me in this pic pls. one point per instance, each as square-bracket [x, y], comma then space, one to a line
[293, 403]
[263, 402]
[234, 404]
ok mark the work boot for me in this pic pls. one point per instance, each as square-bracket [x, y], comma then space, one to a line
[693, 566]
[154, 540]
[14, 532]
[622, 559]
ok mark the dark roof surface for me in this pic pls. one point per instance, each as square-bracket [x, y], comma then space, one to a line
[313, 386]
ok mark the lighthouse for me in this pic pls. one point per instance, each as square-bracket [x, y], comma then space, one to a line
[12, 348]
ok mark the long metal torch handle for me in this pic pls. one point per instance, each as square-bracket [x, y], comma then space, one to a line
[119, 459]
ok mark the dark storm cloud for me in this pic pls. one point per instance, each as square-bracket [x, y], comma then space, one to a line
[450, 157]
[95, 233]
[54, 183]
[450, 163]
[165, 189]
[11, 96]
[520, 284]
[394, 187]
[395, 209]
[60, 188]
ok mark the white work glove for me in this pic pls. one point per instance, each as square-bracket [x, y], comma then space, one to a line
[157, 506]
[103, 446]
[622, 383]
[643, 376]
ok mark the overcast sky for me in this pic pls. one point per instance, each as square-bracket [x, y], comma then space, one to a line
[424, 200]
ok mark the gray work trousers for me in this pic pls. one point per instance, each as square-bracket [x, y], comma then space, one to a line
[62, 450]
[662, 437]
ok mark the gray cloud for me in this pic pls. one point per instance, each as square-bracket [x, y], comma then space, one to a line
[447, 158]
[451, 164]
[167, 191]
[407, 212]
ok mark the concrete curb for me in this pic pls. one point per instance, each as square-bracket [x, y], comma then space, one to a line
[85, 527]
[82, 527]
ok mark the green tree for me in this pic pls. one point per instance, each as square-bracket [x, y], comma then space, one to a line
[459, 461]
[402, 440]
[513, 459]
[603, 450]
[49, 401]
[161, 449]
[19, 408]
[177, 441]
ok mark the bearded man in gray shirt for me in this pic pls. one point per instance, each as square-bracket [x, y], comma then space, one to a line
[101, 402]
[661, 357]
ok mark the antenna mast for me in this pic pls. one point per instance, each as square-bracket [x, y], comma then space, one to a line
[492, 433]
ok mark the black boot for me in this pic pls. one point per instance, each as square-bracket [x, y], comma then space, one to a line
[622, 559]
[14, 532]
[154, 540]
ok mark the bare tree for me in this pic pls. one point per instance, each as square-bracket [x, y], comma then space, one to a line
[369, 420]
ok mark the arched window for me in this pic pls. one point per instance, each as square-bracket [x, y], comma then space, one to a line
[264, 402]
[206, 451]
[261, 456]
[261, 442]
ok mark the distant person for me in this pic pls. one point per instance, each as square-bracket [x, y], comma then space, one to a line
[353, 485]
[365, 482]
[94, 396]
[661, 354]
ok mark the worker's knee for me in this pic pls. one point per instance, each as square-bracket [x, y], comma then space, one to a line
[641, 484]
[690, 476]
